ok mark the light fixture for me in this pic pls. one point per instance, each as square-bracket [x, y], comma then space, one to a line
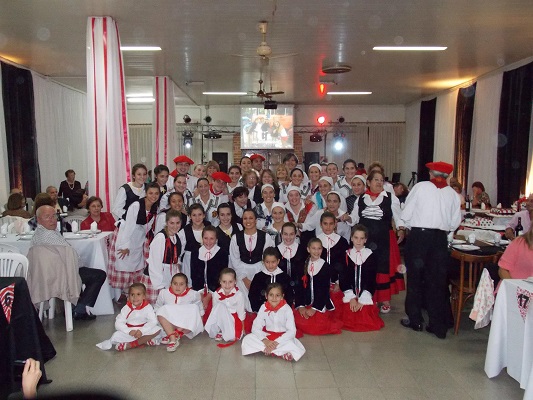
[341, 119]
[224, 93]
[186, 119]
[207, 119]
[140, 48]
[315, 137]
[321, 119]
[187, 139]
[322, 88]
[409, 48]
[212, 135]
[338, 141]
[348, 93]
[140, 99]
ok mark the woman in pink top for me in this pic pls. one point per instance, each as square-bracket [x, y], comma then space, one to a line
[517, 260]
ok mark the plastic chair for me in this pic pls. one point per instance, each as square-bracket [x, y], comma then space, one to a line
[10, 263]
[7, 248]
[465, 287]
[78, 218]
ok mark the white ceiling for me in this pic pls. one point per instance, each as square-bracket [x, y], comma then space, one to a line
[198, 38]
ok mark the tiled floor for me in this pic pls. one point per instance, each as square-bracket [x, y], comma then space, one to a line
[394, 363]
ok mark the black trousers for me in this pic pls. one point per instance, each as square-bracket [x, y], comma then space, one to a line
[426, 259]
[93, 279]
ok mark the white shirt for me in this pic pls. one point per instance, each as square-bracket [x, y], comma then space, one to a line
[373, 207]
[119, 205]
[427, 206]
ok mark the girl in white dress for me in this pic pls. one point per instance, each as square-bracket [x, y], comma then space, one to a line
[136, 323]
[226, 321]
[179, 311]
[274, 331]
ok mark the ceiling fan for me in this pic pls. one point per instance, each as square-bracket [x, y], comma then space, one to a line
[266, 95]
[264, 51]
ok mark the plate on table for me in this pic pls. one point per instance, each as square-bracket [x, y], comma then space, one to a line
[458, 241]
[74, 236]
[89, 232]
[479, 210]
[466, 247]
[26, 236]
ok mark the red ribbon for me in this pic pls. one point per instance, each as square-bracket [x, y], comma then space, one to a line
[179, 295]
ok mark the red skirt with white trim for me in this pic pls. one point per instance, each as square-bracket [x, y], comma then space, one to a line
[319, 324]
[397, 283]
[365, 320]
[336, 299]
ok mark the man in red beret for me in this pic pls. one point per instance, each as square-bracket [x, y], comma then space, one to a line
[218, 187]
[183, 164]
[257, 162]
[432, 210]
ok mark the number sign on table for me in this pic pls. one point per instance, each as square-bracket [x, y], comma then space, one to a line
[522, 297]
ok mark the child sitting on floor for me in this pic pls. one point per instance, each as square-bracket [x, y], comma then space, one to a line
[179, 311]
[226, 321]
[136, 324]
[273, 330]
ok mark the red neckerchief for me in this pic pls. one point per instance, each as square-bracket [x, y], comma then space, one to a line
[178, 295]
[439, 181]
[174, 173]
[132, 309]
[371, 193]
[213, 190]
[270, 309]
[222, 296]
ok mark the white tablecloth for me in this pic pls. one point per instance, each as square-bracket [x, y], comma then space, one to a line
[511, 334]
[93, 254]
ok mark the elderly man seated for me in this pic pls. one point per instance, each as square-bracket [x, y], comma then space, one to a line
[93, 279]
[57, 202]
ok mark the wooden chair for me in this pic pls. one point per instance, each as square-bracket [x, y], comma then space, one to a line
[13, 264]
[465, 287]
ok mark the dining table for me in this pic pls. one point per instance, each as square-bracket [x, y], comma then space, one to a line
[511, 334]
[93, 252]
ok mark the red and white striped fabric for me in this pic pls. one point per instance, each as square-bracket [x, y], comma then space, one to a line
[108, 152]
[166, 146]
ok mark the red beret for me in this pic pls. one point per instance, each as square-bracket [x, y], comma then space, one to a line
[256, 156]
[440, 166]
[180, 159]
[222, 176]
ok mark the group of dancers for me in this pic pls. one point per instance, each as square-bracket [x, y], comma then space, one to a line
[208, 253]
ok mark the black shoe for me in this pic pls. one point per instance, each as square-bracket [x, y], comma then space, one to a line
[408, 324]
[440, 335]
[84, 317]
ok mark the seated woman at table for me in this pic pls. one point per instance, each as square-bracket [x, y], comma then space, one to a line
[104, 220]
[456, 185]
[517, 260]
[479, 195]
[15, 207]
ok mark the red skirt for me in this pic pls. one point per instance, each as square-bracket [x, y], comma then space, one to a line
[336, 299]
[365, 320]
[319, 324]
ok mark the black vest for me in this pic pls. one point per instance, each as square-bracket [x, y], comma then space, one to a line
[130, 197]
[191, 244]
[223, 239]
[257, 253]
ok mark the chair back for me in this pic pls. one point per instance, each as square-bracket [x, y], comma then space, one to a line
[13, 264]
[7, 248]
[473, 266]
[77, 218]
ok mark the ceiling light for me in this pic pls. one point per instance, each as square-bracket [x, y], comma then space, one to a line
[224, 93]
[348, 93]
[140, 48]
[194, 83]
[410, 48]
[141, 99]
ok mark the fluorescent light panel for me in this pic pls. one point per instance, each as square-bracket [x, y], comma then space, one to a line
[140, 48]
[410, 48]
[141, 99]
[224, 93]
[348, 93]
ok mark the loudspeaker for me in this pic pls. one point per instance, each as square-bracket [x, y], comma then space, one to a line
[271, 105]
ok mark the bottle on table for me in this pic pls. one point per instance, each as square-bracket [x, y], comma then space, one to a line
[519, 229]
[467, 203]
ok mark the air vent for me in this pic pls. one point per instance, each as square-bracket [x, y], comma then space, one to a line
[336, 68]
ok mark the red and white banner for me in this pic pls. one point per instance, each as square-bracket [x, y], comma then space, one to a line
[7, 296]
[108, 137]
[164, 126]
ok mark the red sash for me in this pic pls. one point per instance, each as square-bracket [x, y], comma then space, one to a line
[238, 331]
[135, 326]
[273, 335]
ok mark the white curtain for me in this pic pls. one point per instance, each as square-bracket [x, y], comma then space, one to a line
[164, 125]
[108, 138]
[443, 149]
[141, 145]
[484, 145]
[410, 141]
[4, 166]
[61, 130]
